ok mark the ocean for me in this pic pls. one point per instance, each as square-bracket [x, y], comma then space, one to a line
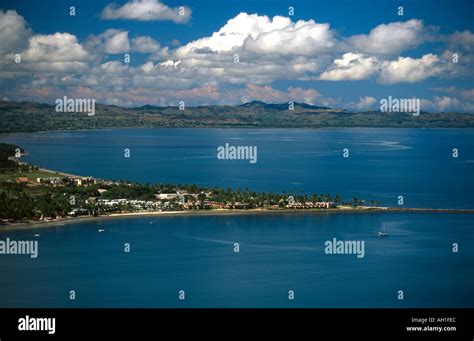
[281, 256]
[383, 164]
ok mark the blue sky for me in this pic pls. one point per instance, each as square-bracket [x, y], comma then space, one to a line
[342, 54]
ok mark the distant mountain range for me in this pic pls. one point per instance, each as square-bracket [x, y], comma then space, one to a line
[28, 116]
[252, 104]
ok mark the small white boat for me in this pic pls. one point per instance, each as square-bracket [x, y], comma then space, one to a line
[37, 235]
[383, 233]
[101, 230]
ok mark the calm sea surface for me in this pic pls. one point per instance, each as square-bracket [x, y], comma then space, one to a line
[279, 252]
[382, 163]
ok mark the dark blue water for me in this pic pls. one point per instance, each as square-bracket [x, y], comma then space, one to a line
[382, 163]
[278, 253]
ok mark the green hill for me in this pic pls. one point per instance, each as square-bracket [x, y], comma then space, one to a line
[27, 116]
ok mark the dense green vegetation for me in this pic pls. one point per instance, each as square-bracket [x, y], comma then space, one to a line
[24, 117]
[6, 151]
[19, 201]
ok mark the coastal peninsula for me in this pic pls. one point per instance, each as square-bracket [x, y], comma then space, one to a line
[32, 197]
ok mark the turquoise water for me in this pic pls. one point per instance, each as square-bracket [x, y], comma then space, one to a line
[279, 252]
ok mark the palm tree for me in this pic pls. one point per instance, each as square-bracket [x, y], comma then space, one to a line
[355, 201]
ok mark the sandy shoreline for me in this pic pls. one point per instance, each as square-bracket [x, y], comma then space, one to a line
[34, 224]
[60, 173]
[130, 215]
[12, 158]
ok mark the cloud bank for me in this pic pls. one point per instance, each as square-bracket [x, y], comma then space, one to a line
[240, 61]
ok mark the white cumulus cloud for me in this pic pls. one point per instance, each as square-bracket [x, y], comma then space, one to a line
[365, 103]
[145, 44]
[411, 70]
[352, 66]
[58, 47]
[302, 37]
[390, 38]
[117, 42]
[146, 10]
[461, 39]
[14, 32]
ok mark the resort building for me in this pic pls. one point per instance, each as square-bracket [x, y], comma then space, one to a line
[166, 196]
